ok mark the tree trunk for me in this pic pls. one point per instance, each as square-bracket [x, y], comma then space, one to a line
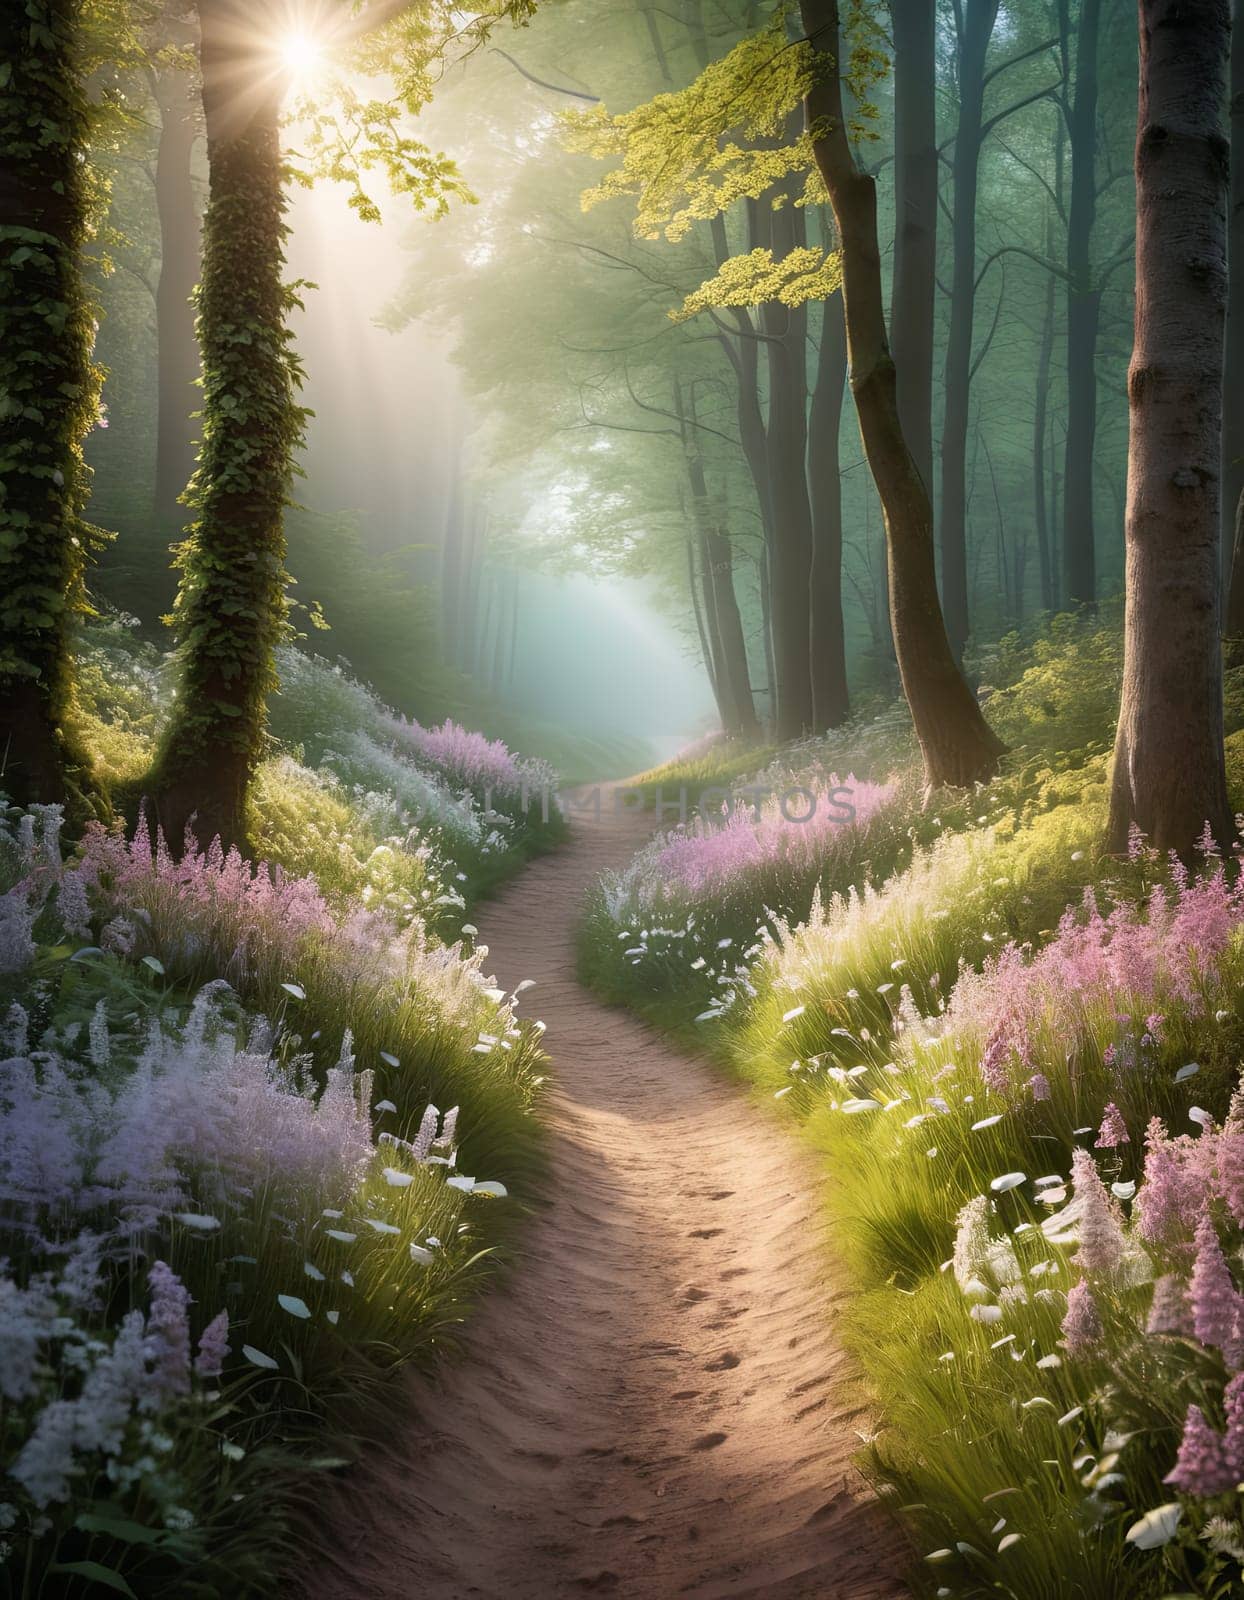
[786, 347]
[451, 561]
[231, 606]
[957, 743]
[177, 348]
[1169, 778]
[1040, 508]
[711, 639]
[512, 661]
[730, 633]
[1083, 313]
[50, 389]
[975, 32]
[915, 224]
[1233, 372]
[831, 701]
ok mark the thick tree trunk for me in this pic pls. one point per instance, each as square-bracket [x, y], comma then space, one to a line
[1083, 313]
[50, 390]
[1169, 777]
[178, 351]
[915, 230]
[831, 701]
[231, 606]
[975, 32]
[957, 743]
[1233, 369]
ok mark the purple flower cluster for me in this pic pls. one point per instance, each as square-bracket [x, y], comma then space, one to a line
[706, 860]
[1123, 961]
[468, 759]
[143, 1373]
[1210, 1462]
[198, 1123]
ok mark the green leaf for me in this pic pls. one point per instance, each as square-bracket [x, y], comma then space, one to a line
[123, 1528]
[108, 1576]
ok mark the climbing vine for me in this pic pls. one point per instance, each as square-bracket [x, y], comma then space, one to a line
[231, 608]
[49, 390]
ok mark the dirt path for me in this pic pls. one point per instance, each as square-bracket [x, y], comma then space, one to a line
[653, 1405]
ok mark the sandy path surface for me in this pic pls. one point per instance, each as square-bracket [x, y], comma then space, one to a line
[652, 1404]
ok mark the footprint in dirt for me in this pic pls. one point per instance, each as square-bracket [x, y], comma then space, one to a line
[692, 1296]
[710, 1441]
[725, 1362]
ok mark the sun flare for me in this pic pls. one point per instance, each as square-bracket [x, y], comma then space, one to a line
[301, 54]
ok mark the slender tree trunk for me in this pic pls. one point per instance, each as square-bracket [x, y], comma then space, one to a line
[1083, 314]
[231, 606]
[50, 390]
[975, 32]
[957, 744]
[1169, 777]
[491, 595]
[766, 625]
[701, 625]
[718, 677]
[1233, 372]
[451, 560]
[786, 347]
[831, 701]
[513, 655]
[1040, 414]
[177, 349]
[730, 632]
[498, 651]
[915, 233]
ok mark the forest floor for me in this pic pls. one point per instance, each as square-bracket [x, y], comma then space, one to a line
[653, 1403]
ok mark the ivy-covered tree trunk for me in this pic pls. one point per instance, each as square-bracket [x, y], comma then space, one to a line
[177, 350]
[49, 390]
[956, 742]
[1169, 775]
[231, 609]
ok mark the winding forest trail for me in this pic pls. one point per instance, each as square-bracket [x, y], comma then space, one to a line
[653, 1404]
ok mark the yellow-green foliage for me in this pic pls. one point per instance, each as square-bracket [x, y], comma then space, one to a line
[1235, 770]
[802, 274]
[1059, 693]
[303, 821]
[672, 156]
[114, 709]
[721, 765]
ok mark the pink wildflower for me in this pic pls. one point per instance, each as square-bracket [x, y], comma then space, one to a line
[1082, 1329]
[1100, 1233]
[1231, 1159]
[1216, 1304]
[213, 1347]
[1039, 1086]
[1171, 1196]
[168, 1334]
[1113, 1129]
[1169, 1311]
[1201, 1466]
